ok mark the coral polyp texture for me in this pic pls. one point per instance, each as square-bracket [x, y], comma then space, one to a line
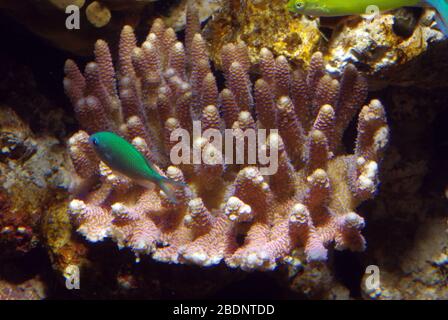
[228, 212]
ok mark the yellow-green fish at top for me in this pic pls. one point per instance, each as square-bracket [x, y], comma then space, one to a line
[334, 8]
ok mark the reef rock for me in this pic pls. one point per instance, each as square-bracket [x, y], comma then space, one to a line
[407, 231]
[32, 172]
[98, 19]
[402, 47]
[387, 54]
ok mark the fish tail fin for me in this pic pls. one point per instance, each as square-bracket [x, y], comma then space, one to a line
[442, 19]
[169, 187]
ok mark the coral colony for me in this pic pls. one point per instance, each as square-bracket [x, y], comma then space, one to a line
[230, 211]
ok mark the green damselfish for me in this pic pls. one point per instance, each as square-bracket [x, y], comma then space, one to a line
[334, 8]
[123, 158]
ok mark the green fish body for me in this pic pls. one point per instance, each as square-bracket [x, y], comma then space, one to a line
[334, 8]
[123, 158]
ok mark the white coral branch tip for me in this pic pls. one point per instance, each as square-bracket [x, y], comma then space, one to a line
[76, 206]
[299, 214]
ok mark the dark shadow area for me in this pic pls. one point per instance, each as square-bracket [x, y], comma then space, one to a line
[32, 74]
[349, 270]
[256, 285]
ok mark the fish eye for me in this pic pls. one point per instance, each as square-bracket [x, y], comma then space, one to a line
[299, 5]
[95, 141]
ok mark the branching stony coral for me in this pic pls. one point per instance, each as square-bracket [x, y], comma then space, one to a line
[228, 212]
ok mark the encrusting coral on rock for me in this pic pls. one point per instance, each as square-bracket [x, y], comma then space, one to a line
[229, 212]
[261, 24]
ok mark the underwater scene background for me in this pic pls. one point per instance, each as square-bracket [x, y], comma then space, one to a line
[354, 108]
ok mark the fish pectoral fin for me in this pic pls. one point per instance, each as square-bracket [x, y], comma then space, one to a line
[169, 187]
[175, 183]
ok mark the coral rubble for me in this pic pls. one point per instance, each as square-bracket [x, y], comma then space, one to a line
[228, 212]
[422, 269]
[33, 289]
